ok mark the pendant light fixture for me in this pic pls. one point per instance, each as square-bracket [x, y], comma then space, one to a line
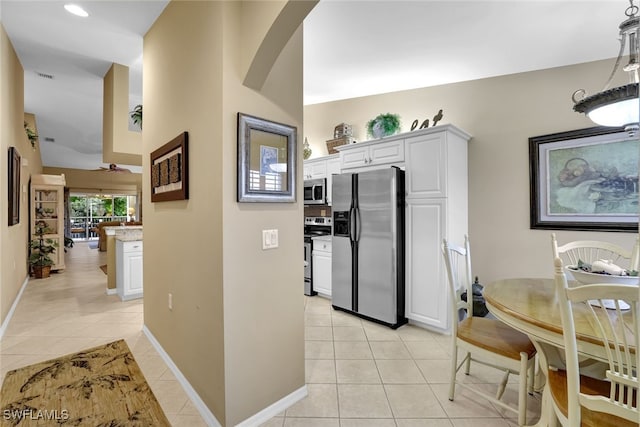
[617, 106]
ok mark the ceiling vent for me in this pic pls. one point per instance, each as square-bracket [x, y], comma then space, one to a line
[49, 139]
[44, 75]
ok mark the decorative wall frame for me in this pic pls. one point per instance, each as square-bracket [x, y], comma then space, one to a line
[585, 179]
[170, 170]
[14, 186]
[266, 160]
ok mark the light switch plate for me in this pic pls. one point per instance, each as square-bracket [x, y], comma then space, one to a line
[269, 239]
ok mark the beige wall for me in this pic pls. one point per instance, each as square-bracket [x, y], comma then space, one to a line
[14, 239]
[119, 144]
[236, 328]
[501, 113]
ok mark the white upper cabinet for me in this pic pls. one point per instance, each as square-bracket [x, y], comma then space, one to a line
[333, 167]
[436, 162]
[315, 168]
[372, 153]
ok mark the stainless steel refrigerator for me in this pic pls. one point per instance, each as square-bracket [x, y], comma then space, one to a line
[367, 261]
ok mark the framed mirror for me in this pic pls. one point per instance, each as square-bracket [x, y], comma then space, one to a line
[266, 160]
[14, 186]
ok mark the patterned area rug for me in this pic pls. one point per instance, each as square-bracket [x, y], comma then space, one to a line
[101, 386]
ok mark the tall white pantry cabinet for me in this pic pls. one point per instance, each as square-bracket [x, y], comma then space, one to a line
[436, 183]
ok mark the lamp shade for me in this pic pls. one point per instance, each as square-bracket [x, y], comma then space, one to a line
[614, 107]
[618, 106]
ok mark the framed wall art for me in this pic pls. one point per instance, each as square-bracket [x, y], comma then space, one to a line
[170, 170]
[585, 179]
[14, 186]
[266, 160]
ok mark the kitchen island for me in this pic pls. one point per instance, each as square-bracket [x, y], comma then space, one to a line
[128, 233]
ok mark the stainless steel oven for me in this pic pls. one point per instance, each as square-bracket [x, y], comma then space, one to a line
[315, 191]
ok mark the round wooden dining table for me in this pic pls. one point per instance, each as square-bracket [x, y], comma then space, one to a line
[530, 306]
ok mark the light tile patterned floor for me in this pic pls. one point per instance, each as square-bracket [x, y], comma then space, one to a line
[70, 311]
[358, 373]
[361, 374]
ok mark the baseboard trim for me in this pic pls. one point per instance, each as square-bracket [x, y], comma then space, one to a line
[111, 291]
[7, 319]
[202, 408]
[271, 411]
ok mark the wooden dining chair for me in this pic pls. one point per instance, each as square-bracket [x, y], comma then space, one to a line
[593, 250]
[487, 341]
[579, 400]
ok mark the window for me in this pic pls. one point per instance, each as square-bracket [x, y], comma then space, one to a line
[87, 211]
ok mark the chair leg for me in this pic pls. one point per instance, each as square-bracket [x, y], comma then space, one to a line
[454, 368]
[467, 367]
[522, 389]
[503, 385]
[531, 372]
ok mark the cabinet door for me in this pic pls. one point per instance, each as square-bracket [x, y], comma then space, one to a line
[133, 273]
[322, 272]
[316, 168]
[354, 157]
[386, 152]
[426, 166]
[333, 167]
[427, 299]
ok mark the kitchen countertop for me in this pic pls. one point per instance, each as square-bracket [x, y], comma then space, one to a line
[128, 233]
[326, 238]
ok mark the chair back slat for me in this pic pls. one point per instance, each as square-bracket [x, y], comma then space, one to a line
[592, 250]
[458, 264]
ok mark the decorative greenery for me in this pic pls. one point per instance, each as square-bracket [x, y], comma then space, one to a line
[383, 125]
[31, 134]
[136, 115]
[41, 248]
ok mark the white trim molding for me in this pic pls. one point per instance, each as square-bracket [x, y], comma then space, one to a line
[5, 324]
[208, 417]
[202, 408]
[271, 411]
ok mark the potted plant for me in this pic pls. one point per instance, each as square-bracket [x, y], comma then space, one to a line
[383, 125]
[31, 134]
[136, 115]
[41, 251]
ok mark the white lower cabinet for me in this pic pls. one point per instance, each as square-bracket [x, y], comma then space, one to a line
[129, 269]
[321, 262]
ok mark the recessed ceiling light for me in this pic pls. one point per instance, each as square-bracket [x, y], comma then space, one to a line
[76, 10]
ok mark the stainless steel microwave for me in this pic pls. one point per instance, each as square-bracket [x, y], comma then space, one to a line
[315, 191]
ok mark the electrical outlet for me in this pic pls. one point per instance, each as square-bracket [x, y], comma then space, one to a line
[170, 301]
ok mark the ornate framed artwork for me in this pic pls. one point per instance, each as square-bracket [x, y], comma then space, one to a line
[266, 160]
[170, 170]
[14, 186]
[585, 179]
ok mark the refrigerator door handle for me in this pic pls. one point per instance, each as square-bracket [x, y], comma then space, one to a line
[358, 225]
[351, 224]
